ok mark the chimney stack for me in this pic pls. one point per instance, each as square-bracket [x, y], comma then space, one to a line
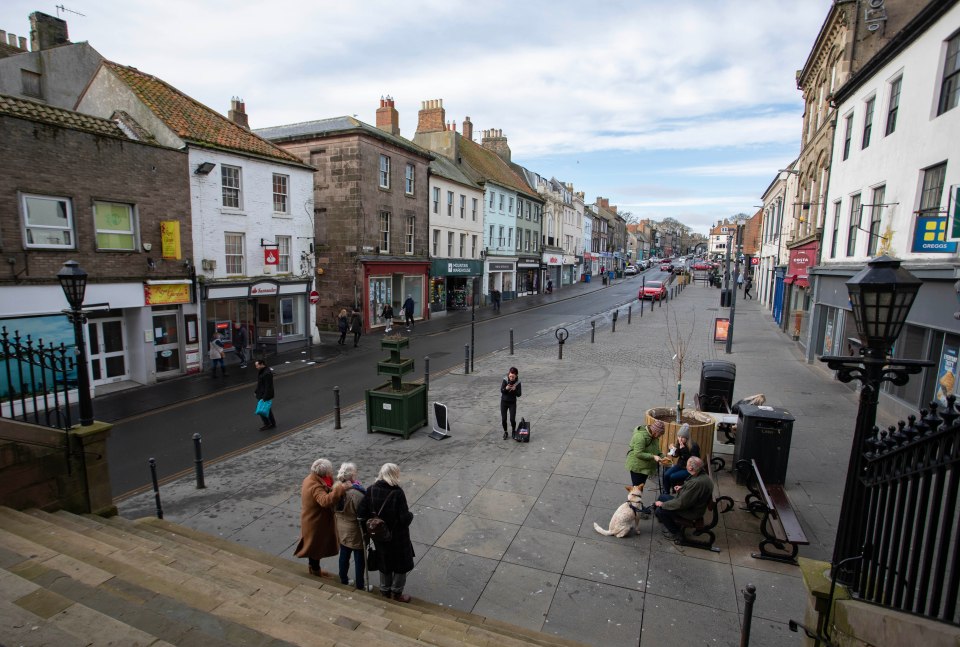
[47, 32]
[432, 116]
[603, 202]
[493, 140]
[468, 128]
[238, 113]
[388, 119]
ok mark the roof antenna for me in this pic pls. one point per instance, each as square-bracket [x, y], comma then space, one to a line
[60, 8]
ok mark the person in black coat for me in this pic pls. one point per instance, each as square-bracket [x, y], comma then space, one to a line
[265, 392]
[356, 327]
[386, 500]
[510, 390]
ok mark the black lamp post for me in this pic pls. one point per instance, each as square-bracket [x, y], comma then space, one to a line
[881, 295]
[73, 280]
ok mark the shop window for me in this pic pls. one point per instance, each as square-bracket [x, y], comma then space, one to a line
[946, 379]
[115, 223]
[47, 222]
[912, 344]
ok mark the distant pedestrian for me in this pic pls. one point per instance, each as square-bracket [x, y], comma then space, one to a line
[319, 494]
[387, 315]
[240, 343]
[747, 286]
[510, 390]
[495, 297]
[264, 393]
[343, 325]
[356, 327]
[739, 280]
[386, 499]
[348, 525]
[216, 354]
[549, 286]
[408, 308]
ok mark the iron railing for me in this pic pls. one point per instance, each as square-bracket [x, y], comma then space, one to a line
[911, 556]
[37, 381]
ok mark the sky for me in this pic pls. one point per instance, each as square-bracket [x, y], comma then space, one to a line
[682, 109]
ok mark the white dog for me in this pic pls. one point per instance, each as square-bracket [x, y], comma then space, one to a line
[627, 516]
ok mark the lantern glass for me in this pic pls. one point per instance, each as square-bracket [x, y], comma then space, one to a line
[73, 280]
[882, 294]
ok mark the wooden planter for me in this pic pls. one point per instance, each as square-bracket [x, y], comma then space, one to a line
[396, 412]
[702, 428]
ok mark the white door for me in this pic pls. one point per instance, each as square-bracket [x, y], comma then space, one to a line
[108, 351]
[166, 343]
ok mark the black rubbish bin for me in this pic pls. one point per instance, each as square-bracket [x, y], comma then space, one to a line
[763, 435]
[717, 377]
[725, 297]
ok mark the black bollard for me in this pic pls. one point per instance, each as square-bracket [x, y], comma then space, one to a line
[641, 308]
[156, 487]
[561, 334]
[629, 314]
[593, 330]
[426, 371]
[511, 341]
[749, 595]
[616, 313]
[336, 407]
[466, 359]
[198, 461]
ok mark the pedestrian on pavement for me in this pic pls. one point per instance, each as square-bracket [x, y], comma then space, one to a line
[549, 286]
[216, 354]
[387, 314]
[356, 327]
[240, 343]
[264, 392]
[349, 532]
[510, 390]
[343, 324]
[408, 308]
[644, 455]
[682, 451]
[386, 500]
[747, 287]
[739, 280]
[319, 495]
[495, 297]
[689, 502]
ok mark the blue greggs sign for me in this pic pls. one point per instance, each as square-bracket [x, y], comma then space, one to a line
[930, 236]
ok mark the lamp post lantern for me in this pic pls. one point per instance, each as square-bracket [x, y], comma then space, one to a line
[73, 280]
[881, 295]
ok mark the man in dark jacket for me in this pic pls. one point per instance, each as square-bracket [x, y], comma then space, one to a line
[265, 392]
[408, 308]
[691, 501]
[240, 343]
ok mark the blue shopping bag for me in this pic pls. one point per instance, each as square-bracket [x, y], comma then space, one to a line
[263, 408]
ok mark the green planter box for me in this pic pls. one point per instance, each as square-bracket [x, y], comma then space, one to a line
[396, 412]
[390, 367]
[394, 343]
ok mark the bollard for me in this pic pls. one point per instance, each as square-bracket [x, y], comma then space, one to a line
[641, 308]
[749, 595]
[511, 341]
[336, 407]
[660, 301]
[629, 314]
[156, 487]
[616, 313]
[198, 461]
[593, 330]
[466, 359]
[426, 371]
[561, 334]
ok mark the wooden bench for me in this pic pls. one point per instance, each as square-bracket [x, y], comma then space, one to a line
[779, 526]
[689, 530]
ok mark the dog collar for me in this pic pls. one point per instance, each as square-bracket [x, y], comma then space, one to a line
[635, 508]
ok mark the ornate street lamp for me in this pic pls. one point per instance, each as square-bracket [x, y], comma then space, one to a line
[73, 280]
[881, 295]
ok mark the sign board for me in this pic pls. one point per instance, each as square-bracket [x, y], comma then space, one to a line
[755, 260]
[166, 294]
[170, 240]
[954, 211]
[264, 289]
[930, 235]
[500, 267]
[271, 256]
[314, 297]
[721, 326]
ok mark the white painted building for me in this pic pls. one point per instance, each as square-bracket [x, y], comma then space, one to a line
[778, 213]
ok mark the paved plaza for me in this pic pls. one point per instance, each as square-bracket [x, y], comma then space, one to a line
[506, 530]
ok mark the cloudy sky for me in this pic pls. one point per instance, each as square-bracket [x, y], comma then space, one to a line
[682, 108]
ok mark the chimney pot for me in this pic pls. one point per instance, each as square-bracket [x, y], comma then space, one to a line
[432, 117]
[12, 40]
[468, 128]
[22, 44]
[238, 113]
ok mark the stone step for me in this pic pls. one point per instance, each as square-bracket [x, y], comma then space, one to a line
[20, 627]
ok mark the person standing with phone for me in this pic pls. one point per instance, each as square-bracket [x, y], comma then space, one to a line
[510, 390]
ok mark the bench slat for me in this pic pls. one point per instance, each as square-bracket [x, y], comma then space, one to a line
[786, 515]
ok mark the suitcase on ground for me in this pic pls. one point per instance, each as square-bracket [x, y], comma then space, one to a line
[523, 432]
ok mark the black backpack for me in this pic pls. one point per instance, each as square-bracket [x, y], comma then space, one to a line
[523, 431]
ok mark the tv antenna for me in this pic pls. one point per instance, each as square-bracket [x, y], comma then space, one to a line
[60, 8]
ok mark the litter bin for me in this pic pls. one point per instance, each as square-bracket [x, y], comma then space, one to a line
[586, 278]
[725, 297]
[717, 378]
[764, 434]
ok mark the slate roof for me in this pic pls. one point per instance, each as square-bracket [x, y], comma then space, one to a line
[489, 167]
[194, 122]
[336, 126]
[41, 112]
[445, 168]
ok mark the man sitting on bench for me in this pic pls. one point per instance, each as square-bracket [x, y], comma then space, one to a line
[690, 502]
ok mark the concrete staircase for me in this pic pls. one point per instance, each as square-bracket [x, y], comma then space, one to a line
[70, 580]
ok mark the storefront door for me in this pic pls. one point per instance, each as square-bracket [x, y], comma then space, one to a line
[108, 355]
[166, 344]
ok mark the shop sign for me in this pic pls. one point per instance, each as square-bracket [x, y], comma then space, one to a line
[166, 294]
[800, 261]
[755, 260]
[500, 267]
[553, 260]
[721, 328]
[170, 240]
[446, 267]
[264, 289]
[271, 256]
[930, 236]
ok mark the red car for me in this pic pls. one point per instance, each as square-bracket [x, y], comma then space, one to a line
[703, 265]
[653, 290]
[666, 266]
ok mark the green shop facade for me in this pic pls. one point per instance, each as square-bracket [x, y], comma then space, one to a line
[453, 284]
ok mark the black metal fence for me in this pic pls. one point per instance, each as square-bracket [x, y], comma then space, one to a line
[35, 380]
[911, 554]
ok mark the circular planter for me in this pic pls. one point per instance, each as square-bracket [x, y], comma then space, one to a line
[702, 428]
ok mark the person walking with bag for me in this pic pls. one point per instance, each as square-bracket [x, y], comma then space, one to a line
[747, 286]
[349, 532]
[408, 307]
[356, 327]
[264, 395]
[386, 500]
[387, 315]
[216, 354]
[319, 494]
[343, 325]
[510, 390]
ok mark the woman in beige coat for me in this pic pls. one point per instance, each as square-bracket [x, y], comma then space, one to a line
[318, 534]
[348, 525]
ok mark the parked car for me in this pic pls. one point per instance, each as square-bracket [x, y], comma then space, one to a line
[703, 266]
[630, 270]
[653, 290]
[666, 266]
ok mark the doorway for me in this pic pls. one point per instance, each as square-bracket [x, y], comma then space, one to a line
[166, 343]
[108, 354]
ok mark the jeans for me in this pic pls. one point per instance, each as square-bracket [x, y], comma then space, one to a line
[512, 408]
[357, 565]
[242, 355]
[667, 517]
[218, 362]
[674, 476]
[392, 582]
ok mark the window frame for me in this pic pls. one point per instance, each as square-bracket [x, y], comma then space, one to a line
[27, 80]
[27, 227]
[132, 232]
[837, 211]
[383, 176]
[463, 207]
[473, 246]
[893, 105]
[855, 210]
[473, 212]
[384, 232]
[450, 203]
[410, 234]
[284, 250]
[463, 246]
[868, 108]
[436, 199]
[436, 242]
[234, 191]
[449, 244]
[242, 239]
[926, 191]
[284, 194]
[847, 136]
[410, 179]
[877, 196]
[950, 83]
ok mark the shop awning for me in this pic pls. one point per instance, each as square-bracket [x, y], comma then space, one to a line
[799, 281]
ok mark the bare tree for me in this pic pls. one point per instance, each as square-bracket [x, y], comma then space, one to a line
[678, 341]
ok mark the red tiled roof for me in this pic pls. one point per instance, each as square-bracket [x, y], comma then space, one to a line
[40, 112]
[191, 120]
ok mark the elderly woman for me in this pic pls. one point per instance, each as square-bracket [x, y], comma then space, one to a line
[318, 534]
[386, 500]
[644, 454]
[348, 525]
[683, 450]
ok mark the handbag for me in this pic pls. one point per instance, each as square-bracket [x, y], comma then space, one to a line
[263, 408]
[377, 527]
[373, 559]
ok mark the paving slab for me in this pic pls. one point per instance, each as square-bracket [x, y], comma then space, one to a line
[476, 536]
[518, 594]
[595, 613]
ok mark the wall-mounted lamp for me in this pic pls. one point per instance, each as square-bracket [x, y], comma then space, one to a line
[204, 168]
[151, 264]
[788, 170]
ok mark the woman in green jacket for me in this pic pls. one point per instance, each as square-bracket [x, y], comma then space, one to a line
[644, 454]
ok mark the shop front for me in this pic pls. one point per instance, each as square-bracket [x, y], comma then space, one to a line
[797, 297]
[452, 284]
[528, 275]
[500, 276]
[173, 326]
[554, 265]
[392, 282]
[590, 265]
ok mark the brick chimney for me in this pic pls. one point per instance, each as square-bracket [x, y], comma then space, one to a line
[467, 128]
[493, 140]
[603, 202]
[388, 119]
[432, 116]
[238, 113]
[47, 32]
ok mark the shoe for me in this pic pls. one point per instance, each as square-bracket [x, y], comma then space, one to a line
[265, 428]
[401, 597]
[669, 534]
[243, 366]
[386, 594]
[504, 435]
[272, 426]
[316, 572]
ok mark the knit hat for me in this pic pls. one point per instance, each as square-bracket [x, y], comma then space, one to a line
[684, 431]
[657, 425]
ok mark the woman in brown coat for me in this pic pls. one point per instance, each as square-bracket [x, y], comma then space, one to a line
[318, 533]
[348, 525]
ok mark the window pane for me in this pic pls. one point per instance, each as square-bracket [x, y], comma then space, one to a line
[230, 184]
[47, 212]
[280, 193]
